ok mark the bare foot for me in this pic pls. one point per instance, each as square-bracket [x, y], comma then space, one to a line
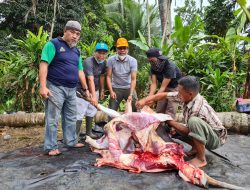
[198, 163]
[55, 152]
[78, 145]
[192, 152]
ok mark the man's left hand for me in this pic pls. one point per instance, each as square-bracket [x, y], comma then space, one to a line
[87, 94]
[102, 95]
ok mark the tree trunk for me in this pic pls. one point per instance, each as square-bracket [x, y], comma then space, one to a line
[233, 121]
[122, 8]
[54, 20]
[165, 17]
[163, 13]
[22, 119]
[148, 20]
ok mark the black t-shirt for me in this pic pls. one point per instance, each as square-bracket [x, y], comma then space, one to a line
[170, 71]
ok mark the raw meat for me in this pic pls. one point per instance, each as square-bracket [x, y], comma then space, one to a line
[131, 142]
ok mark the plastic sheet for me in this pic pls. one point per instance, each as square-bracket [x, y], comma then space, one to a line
[29, 168]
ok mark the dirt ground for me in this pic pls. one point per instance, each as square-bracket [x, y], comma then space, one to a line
[22, 137]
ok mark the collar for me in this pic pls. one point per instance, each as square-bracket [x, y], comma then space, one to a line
[191, 103]
[62, 40]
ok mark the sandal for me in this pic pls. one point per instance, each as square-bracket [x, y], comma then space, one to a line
[55, 152]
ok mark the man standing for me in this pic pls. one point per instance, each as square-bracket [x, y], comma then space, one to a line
[166, 73]
[202, 128]
[94, 68]
[121, 76]
[60, 70]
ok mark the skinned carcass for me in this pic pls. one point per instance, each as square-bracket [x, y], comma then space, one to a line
[130, 142]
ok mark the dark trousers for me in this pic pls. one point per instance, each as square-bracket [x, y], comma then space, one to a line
[122, 94]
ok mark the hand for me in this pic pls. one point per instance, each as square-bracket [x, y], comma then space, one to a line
[130, 98]
[45, 92]
[87, 94]
[113, 95]
[139, 104]
[102, 95]
[150, 103]
[94, 102]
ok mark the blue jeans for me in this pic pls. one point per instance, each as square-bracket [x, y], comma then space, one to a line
[62, 101]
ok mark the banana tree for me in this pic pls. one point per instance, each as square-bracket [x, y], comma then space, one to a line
[143, 45]
[21, 68]
[230, 44]
[182, 35]
[134, 19]
[243, 4]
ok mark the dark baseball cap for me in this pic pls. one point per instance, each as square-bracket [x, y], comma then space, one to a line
[155, 52]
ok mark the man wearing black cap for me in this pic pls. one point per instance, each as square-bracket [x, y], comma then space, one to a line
[166, 73]
[59, 72]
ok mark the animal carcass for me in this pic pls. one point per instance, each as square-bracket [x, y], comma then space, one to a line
[131, 142]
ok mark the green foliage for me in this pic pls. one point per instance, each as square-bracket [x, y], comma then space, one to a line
[184, 33]
[142, 44]
[134, 18]
[243, 4]
[188, 11]
[142, 84]
[96, 26]
[87, 50]
[214, 62]
[218, 16]
[217, 58]
[219, 87]
[25, 14]
[20, 73]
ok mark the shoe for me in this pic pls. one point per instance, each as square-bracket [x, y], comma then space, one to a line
[89, 133]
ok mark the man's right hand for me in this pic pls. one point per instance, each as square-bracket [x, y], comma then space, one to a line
[140, 103]
[45, 92]
[113, 95]
[94, 102]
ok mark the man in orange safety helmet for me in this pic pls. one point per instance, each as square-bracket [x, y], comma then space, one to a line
[121, 76]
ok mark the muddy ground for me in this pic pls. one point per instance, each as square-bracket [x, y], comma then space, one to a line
[24, 166]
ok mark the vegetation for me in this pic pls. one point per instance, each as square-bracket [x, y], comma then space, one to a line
[208, 42]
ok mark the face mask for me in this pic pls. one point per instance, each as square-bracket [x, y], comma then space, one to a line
[158, 66]
[122, 57]
[99, 61]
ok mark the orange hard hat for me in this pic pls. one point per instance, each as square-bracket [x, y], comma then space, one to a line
[122, 42]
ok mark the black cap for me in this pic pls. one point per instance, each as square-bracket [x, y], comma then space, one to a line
[155, 52]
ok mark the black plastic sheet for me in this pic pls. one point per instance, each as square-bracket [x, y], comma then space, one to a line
[29, 168]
